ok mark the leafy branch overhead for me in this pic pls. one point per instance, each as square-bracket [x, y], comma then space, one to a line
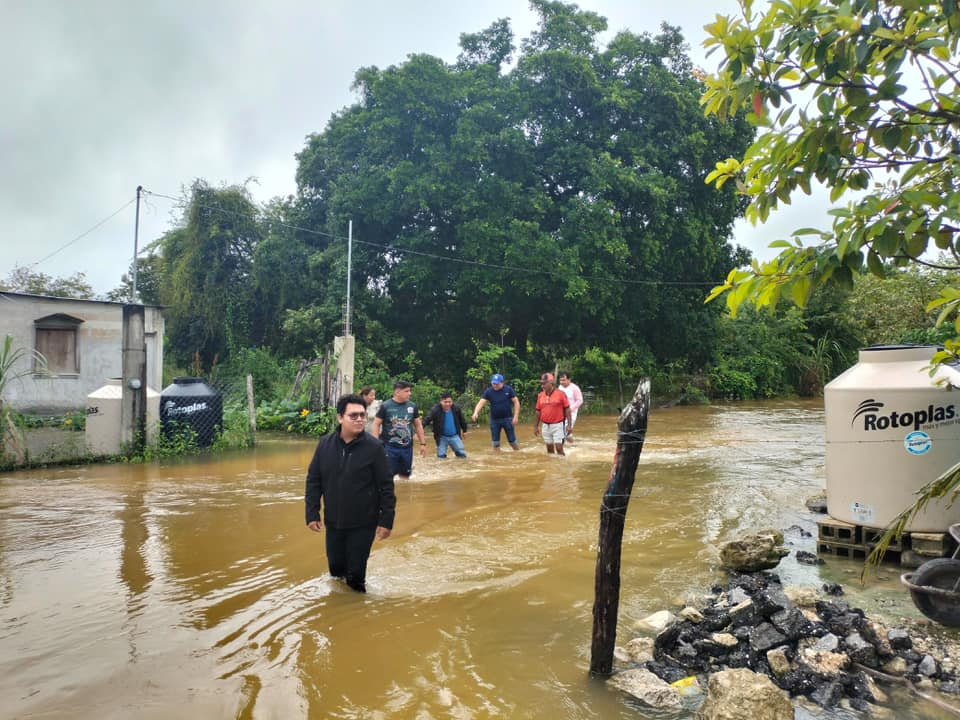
[861, 98]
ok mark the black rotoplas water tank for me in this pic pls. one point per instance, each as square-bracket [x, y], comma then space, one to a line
[190, 406]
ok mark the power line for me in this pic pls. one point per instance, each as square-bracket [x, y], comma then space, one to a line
[85, 233]
[447, 258]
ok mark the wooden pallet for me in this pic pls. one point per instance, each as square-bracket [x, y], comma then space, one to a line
[843, 539]
[843, 550]
[931, 544]
[837, 532]
[871, 536]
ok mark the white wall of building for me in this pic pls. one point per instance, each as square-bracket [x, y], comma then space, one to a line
[99, 339]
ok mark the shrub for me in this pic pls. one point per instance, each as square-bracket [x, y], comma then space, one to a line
[293, 416]
[732, 384]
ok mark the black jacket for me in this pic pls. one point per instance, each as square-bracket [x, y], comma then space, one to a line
[353, 481]
[435, 418]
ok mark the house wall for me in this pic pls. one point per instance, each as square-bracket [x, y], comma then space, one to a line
[99, 348]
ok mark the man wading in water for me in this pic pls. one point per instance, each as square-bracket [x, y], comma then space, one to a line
[350, 477]
[553, 410]
[396, 422]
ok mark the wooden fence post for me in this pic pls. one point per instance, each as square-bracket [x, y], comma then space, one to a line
[632, 428]
[324, 383]
[251, 410]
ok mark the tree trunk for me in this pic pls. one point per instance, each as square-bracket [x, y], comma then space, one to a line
[517, 336]
[613, 511]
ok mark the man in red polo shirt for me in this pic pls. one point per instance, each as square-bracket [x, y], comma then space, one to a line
[553, 412]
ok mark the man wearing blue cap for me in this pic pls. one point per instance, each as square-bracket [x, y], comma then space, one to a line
[504, 411]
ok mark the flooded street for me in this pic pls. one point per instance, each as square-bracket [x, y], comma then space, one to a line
[193, 589]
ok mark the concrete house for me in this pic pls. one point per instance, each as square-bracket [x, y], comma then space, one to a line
[82, 343]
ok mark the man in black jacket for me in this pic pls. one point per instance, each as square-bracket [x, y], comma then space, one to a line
[449, 425]
[349, 474]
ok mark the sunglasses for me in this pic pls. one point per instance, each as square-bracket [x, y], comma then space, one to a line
[356, 416]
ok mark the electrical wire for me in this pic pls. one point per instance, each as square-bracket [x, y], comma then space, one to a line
[85, 233]
[476, 263]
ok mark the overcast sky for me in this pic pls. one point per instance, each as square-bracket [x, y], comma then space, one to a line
[100, 96]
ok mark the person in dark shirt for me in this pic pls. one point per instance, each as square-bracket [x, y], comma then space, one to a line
[397, 421]
[350, 478]
[504, 411]
[449, 426]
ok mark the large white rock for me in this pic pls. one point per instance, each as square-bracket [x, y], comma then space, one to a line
[740, 693]
[647, 687]
[655, 623]
[760, 551]
[640, 649]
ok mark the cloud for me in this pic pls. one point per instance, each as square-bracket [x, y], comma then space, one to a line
[103, 95]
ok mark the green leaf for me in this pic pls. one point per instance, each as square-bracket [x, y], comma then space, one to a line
[857, 95]
[853, 261]
[912, 171]
[887, 243]
[891, 137]
[800, 291]
[717, 292]
[917, 244]
[840, 212]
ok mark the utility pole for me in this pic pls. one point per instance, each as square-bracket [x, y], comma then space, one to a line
[136, 239]
[344, 348]
[347, 329]
[133, 399]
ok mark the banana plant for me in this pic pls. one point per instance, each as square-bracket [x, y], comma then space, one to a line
[12, 368]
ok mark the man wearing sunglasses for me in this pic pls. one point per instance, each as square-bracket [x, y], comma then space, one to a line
[350, 477]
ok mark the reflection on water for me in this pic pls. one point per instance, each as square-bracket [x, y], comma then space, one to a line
[192, 589]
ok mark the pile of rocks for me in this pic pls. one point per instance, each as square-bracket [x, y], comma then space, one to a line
[805, 643]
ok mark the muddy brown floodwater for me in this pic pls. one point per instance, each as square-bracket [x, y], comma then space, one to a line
[193, 589]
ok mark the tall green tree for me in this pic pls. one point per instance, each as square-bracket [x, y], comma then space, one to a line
[207, 264]
[554, 203]
[285, 278]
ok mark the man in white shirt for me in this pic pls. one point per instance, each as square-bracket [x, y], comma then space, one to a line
[572, 391]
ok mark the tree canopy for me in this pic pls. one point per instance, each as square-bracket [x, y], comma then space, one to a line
[560, 202]
[530, 200]
[207, 264]
[861, 97]
[33, 282]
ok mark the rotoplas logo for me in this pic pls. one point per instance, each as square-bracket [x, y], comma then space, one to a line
[171, 408]
[875, 418]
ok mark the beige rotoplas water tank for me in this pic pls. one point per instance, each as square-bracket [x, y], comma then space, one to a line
[103, 417]
[891, 429]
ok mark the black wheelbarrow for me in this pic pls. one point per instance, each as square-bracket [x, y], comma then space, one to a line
[935, 586]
